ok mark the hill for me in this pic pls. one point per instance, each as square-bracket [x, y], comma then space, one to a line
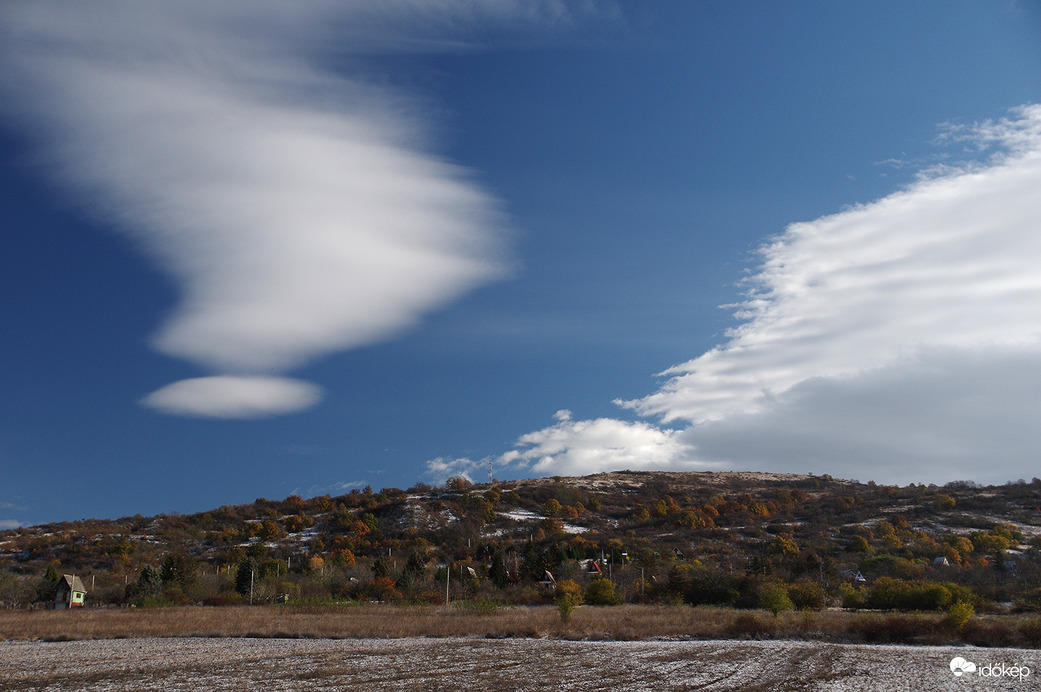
[730, 538]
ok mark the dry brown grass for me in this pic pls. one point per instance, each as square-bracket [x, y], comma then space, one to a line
[620, 623]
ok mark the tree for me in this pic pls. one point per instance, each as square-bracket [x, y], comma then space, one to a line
[414, 569]
[498, 573]
[370, 520]
[806, 595]
[458, 484]
[774, 597]
[601, 591]
[959, 613]
[149, 582]
[14, 592]
[569, 597]
[379, 567]
[382, 589]
[246, 576]
[783, 544]
[47, 589]
[415, 566]
[180, 569]
[858, 544]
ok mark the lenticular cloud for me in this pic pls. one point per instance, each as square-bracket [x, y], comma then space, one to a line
[228, 396]
[292, 205]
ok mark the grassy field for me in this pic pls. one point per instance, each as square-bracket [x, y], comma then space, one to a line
[621, 623]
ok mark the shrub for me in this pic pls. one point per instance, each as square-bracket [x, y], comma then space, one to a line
[853, 597]
[750, 626]
[806, 595]
[774, 597]
[958, 614]
[925, 597]
[981, 632]
[1031, 631]
[569, 597]
[896, 594]
[601, 591]
[887, 629]
[383, 589]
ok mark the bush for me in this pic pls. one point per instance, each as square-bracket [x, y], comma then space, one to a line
[979, 632]
[958, 614]
[750, 626]
[925, 597]
[896, 594]
[853, 597]
[774, 597]
[806, 595]
[569, 597]
[887, 629]
[601, 591]
[1031, 631]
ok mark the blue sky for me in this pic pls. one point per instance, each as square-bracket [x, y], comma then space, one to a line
[255, 250]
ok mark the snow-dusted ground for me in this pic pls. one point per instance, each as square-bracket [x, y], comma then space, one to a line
[480, 664]
[527, 515]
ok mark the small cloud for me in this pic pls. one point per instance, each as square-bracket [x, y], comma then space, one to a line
[10, 524]
[234, 397]
[605, 444]
[443, 468]
[579, 447]
[347, 485]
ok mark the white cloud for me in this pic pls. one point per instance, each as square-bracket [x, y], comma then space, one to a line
[297, 208]
[945, 414]
[588, 446]
[581, 447]
[897, 341]
[949, 262]
[9, 524]
[228, 396]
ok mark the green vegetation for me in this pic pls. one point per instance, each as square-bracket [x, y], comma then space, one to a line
[568, 597]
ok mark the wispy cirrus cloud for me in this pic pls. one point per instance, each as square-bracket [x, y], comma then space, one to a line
[297, 205]
[898, 340]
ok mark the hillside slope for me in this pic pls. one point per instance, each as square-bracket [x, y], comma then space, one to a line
[720, 537]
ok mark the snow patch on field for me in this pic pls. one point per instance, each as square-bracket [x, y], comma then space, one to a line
[276, 665]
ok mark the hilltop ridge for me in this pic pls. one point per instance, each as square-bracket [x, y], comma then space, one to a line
[670, 529]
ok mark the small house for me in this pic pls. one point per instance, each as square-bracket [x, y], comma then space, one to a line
[592, 567]
[71, 593]
[941, 561]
